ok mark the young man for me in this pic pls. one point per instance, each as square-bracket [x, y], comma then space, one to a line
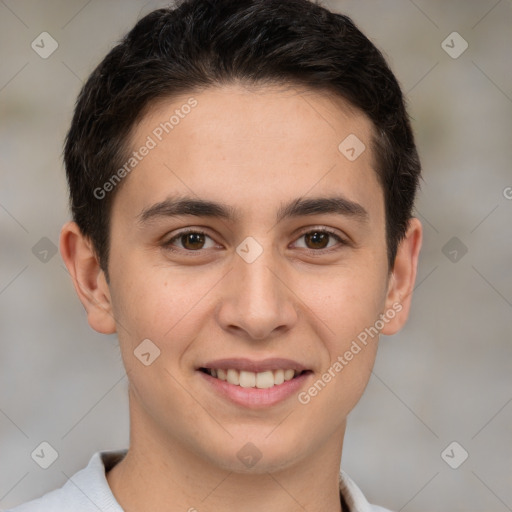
[242, 176]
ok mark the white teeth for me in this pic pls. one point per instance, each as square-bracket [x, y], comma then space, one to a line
[278, 377]
[247, 379]
[260, 380]
[264, 380]
[233, 377]
[288, 374]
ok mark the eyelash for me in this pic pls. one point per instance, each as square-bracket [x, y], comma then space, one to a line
[168, 244]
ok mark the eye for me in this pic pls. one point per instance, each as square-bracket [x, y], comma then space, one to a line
[190, 240]
[320, 239]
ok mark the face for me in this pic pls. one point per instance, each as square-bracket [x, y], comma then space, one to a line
[247, 239]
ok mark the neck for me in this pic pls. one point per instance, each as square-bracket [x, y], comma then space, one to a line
[160, 474]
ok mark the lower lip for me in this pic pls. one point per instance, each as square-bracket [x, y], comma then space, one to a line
[256, 397]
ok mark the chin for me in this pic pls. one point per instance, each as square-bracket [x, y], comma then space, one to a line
[257, 456]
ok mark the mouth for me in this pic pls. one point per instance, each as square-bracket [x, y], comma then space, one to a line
[252, 383]
[248, 379]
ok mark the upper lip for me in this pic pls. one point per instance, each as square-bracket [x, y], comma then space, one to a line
[251, 365]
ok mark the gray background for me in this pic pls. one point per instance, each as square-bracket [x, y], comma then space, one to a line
[445, 377]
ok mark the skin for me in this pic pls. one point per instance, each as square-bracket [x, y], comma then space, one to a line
[253, 149]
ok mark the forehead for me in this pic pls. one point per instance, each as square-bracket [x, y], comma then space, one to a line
[255, 144]
[237, 111]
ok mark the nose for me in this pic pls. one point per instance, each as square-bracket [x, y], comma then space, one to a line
[257, 301]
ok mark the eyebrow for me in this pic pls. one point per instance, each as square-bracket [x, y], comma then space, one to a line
[173, 207]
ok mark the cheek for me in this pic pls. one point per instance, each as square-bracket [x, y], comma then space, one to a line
[348, 309]
[348, 303]
[165, 307]
[346, 300]
[159, 303]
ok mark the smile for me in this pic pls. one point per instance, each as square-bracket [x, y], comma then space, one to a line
[252, 383]
[248, 379]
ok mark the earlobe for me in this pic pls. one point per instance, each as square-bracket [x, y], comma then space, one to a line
[88, 278]
[402, 279]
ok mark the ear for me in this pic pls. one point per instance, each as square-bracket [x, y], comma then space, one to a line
[402, 278]
[88, 278]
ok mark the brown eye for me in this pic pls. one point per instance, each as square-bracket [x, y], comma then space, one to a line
[317, 239]
[189, 241]
[193, 241]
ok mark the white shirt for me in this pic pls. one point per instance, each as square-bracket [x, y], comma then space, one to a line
[88, 491]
